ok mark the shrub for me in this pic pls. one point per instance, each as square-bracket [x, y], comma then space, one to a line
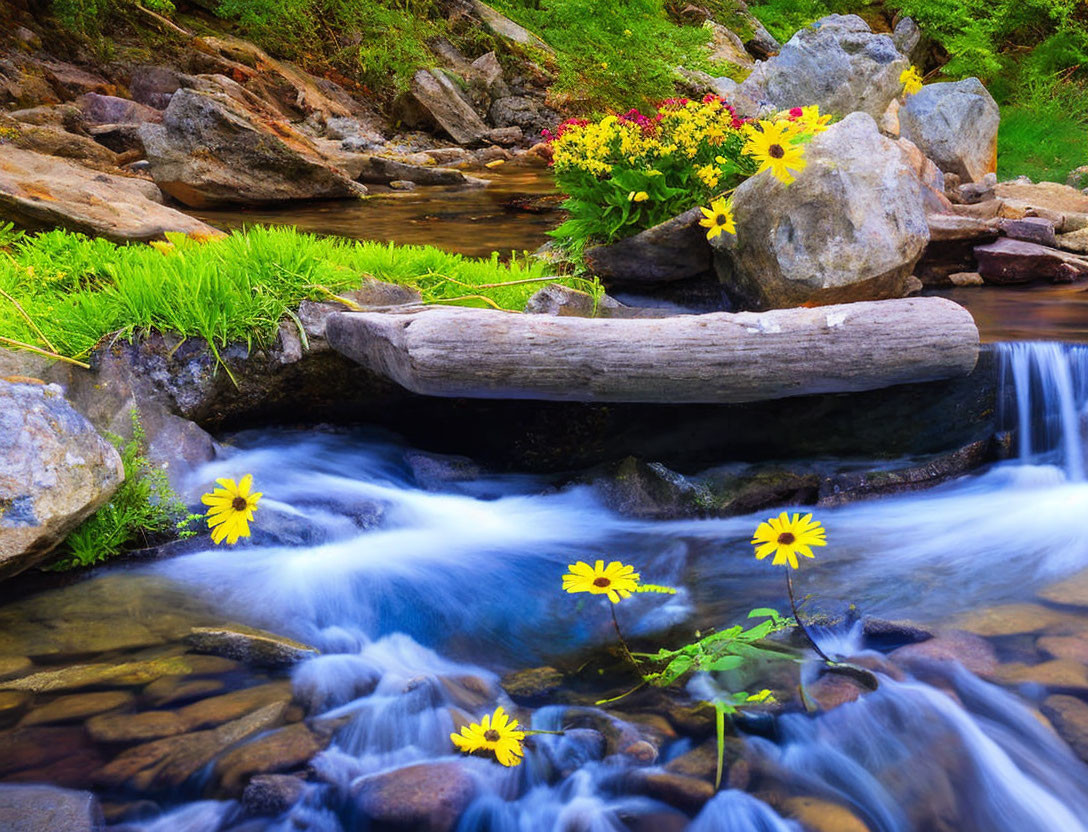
[625, 173]
[143, 511]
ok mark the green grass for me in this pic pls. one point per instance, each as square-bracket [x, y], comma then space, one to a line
[143, 511]
[613, 54]
[63, 292]
[1045, 149]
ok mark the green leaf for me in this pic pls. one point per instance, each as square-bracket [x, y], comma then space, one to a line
[726, 663]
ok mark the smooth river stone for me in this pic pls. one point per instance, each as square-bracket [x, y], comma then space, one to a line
[13, 666]
[172, 689]
[1069, 715]
[1074, 648]
[169, 762]
[1072, 591]
[124, 674]
[972, 651]
[77, 707]
[817, 815]
[249, 645]
[1014, 619]
[279, 751]
[149, 725]
[1060, 674]
[230, 706]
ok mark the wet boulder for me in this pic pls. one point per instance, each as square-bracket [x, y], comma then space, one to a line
[837, 63]
[272, 794]
[954, 124]
[282, 750]
[212, 150]
[1069, 715]
[40, 191]
[55, 471]
[429, 797]
[245, 644]
[1007, 261]
[791, 250]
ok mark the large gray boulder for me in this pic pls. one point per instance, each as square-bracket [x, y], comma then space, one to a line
[837, 63]
[851, 227]
[55, 471]
[955, 125]
[211, 149]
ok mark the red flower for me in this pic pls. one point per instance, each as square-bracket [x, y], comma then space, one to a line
[796, 113]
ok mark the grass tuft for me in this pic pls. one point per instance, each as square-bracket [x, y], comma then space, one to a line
[65, 292]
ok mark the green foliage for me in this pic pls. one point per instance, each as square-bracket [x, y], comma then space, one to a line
[612, 54]
[1046, 136]
[90, 17]
[76, 290]
[728, 650]
[380, 43]
[783, 18]
[144, 510]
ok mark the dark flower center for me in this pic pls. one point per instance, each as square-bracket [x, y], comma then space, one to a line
[602, 582]
[491, 735]
[239, 504]
[786, 538]
[775, 151]
[720, 219]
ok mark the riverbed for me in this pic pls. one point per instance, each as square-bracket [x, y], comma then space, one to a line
[425, 582]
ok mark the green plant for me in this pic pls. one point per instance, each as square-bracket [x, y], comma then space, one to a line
[613, 54]
[142, 511]
[62, 292]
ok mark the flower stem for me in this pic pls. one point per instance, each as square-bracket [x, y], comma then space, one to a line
[800, 623]
[623, 641]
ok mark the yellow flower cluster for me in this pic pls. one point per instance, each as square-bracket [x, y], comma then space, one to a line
[680, 130]
[911, 79]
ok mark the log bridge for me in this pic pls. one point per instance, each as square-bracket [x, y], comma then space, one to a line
[713, 358]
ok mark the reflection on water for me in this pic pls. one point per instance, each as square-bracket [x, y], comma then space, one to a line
[472, 222]
[1026, 313]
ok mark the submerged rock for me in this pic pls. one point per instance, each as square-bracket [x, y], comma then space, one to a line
[78, 707]
[272, 794]
[282, 750]
[245, 644]
[55, 471]
[40, 191]
[954, 124]
[789, 250]
[1069, 715]
[122, 674]
[837, 63]
[212, 150]
[47, 809]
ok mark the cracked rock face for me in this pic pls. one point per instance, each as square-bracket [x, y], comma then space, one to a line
[55, 471]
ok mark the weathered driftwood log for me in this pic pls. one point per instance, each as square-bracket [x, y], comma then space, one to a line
[720, 357]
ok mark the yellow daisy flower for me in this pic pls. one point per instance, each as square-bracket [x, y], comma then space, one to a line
[787, 538]
[231, 509]
[718, 218]
[616, 580]
[496, 733]
[811, 121]
[773, 148]
[640, 196]
[911, 80]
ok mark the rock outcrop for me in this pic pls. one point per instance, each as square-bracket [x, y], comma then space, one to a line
[791, 250]
[954, 124]
[55, 471]
[39, 191]
[837, 63]
[212, 150]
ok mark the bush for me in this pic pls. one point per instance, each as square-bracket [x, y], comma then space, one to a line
[143, 511]
[626, 173]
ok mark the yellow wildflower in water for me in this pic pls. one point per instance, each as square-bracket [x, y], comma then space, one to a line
[911, 80]
[617, 580]
[640, 196]
[718, 218]
[787, 537]
[771, 145]
[231, 509]
[496, 733]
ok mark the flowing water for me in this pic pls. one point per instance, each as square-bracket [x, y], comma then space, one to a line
[421, 600]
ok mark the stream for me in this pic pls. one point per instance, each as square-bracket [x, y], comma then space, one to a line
[422, 599]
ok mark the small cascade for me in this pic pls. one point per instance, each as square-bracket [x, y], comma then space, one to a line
[1044, 396]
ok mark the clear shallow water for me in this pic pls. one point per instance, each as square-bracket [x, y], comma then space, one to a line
[422, 600]
[473, 222]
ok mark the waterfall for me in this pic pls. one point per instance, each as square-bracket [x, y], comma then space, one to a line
[1044, 395]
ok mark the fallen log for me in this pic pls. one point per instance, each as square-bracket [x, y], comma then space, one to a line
[715, 358]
